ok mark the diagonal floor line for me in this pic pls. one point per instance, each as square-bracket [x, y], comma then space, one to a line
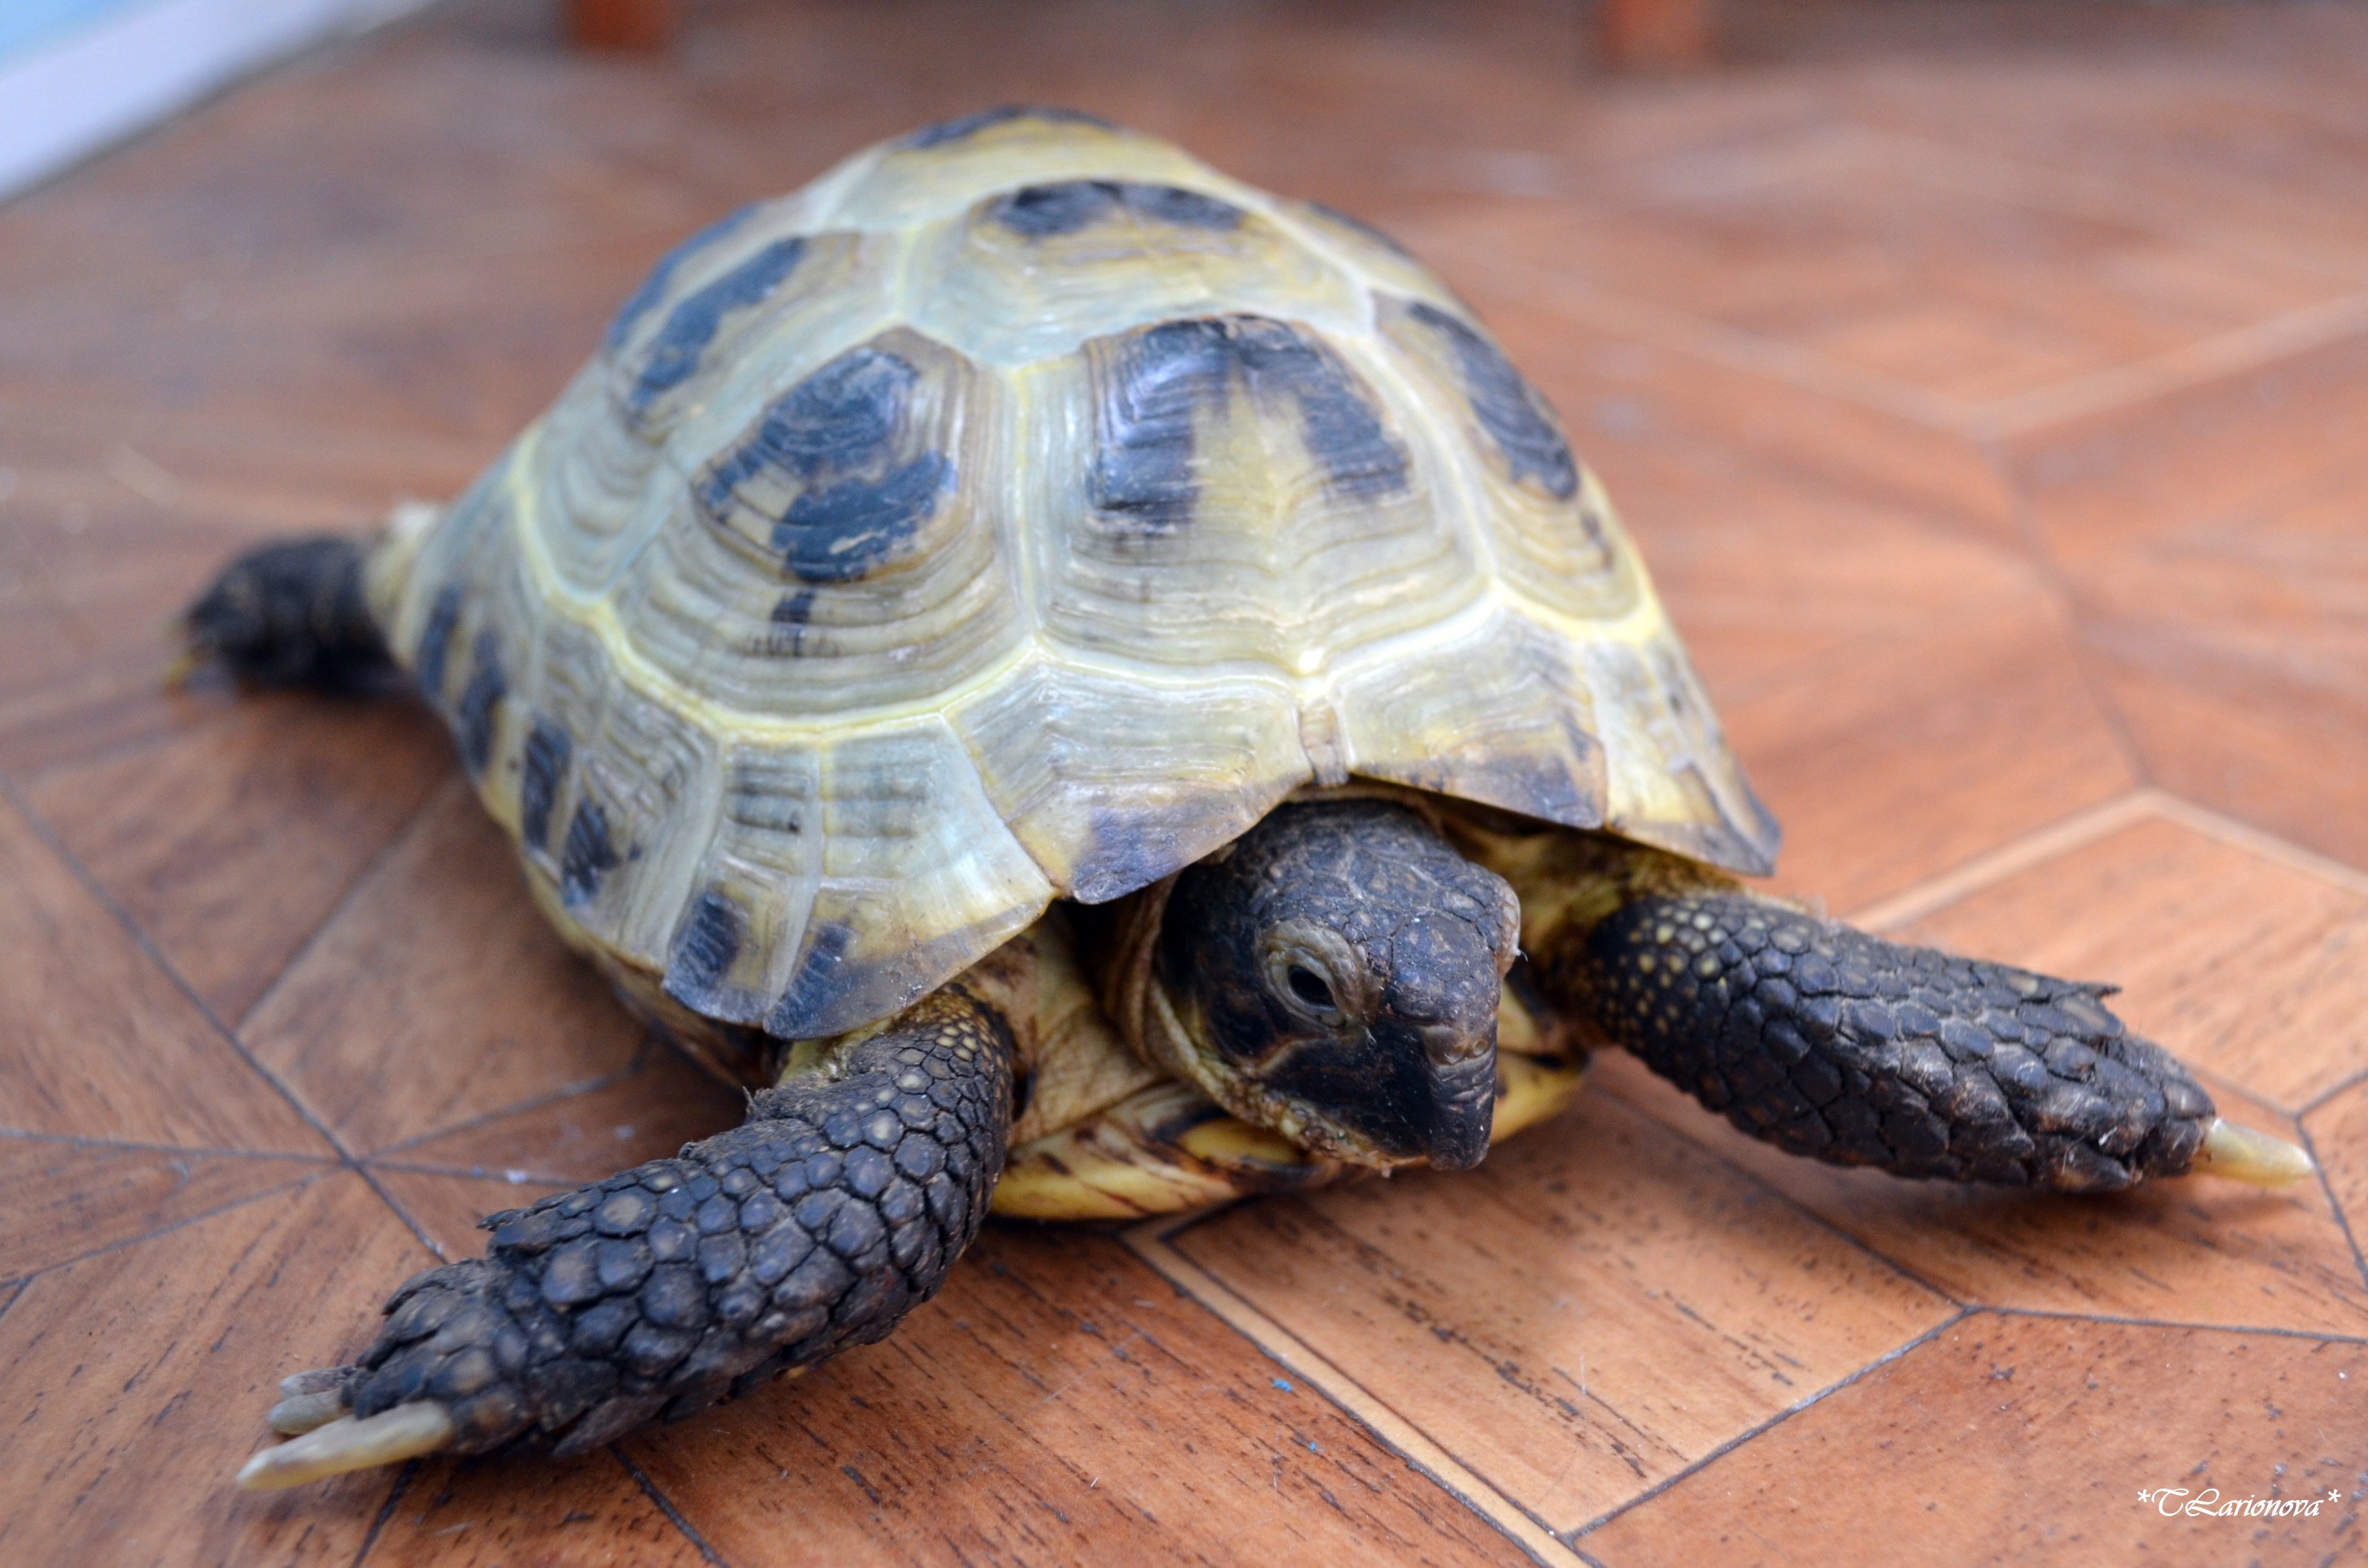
[128, 1145]
[1149, 1241]
[370, 872]
[402, 1479]
[107, 901]
[274, 1191]
[164, 966]
[1789, 1410]
[2225, 354]
[576, 1090]
[2078, 830]
[2316, 1336]
[2334, 1202]
[2241, 834]
[665, 1505]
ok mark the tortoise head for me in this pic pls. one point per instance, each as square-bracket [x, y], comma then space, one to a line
[1335, 974]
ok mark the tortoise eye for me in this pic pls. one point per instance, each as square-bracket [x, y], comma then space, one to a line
[1310, 988]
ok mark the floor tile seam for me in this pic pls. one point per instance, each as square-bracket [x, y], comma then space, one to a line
[1978, 872]
[1778, 1419]
[97, 892]
[1769, 1190]
[2035, 182]
[2221, 357]
[369, 873]
[666, 1504]
[117, 750]
[2064, 590]
[133, 1146]
[1602, 309]
[404, 1475]
[474, 1173]
[2238, 834]
[2334, 1092]
[1425, 1455]
[576, 1090]
[276, 1189]
[2334, 1201]
[2180, 1325]
[385, 1196]
[2198, 363]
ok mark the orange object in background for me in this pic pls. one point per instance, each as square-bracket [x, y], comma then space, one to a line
[1654, 35]
[620, 23]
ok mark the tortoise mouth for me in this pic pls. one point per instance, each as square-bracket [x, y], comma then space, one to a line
[1386, 1101]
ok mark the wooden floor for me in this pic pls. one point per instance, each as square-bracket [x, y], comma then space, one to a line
[1988, 387]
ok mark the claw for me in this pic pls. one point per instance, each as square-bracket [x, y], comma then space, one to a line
[300, 1413]
[2243, 1155]
[350, 1443]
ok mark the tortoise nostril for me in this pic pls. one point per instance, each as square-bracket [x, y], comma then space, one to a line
[1310, 987]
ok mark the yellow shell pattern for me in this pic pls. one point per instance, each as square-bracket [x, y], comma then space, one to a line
[1019, 512]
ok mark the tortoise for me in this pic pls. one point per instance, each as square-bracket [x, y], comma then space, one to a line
[1094, 689]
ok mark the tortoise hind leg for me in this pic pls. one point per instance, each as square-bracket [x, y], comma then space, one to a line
[290, 613]
[1836, 1044]
[818, 1223]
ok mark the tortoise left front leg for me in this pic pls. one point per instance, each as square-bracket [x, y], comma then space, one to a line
[816, 1224]
[1830, 1043]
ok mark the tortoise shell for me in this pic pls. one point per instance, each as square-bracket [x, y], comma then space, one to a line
[1018, 512]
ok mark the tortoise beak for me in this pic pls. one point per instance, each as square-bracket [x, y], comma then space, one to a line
[1463, 1101]
[1389, 1100]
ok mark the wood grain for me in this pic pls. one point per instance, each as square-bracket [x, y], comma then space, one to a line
[1592, 1310]
[2013, 1439]
[133, 1377]
[396, 1022]
[68, 1198]
[96, 1041]
[1058, 1400]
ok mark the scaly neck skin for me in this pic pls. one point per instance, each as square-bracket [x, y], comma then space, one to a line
[1333, 975]
[1570, 882]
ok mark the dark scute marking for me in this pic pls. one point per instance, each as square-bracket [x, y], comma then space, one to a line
[970, 125]
[1508, 407]
[836, 534]
[834, 433]
[587, 857]
[1350, 221]
[691, 325]
[654, 288]
[435, 640]
[548, 748]
[472, 719]
[704, 951]
[1039, 211]
[1144, 469]
[816, 980]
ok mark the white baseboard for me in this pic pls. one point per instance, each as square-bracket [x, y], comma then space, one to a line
[68, 98]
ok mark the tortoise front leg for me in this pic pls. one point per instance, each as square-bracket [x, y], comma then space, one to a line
[819, 1223]
[1830, 1043]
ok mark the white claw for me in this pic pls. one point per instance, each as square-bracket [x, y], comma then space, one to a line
[300, 1413]
[2240, 1154]
[350, 1443]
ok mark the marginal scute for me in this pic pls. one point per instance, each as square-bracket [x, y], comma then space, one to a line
[1113, 783]
[1498, 715]
[1018, 512]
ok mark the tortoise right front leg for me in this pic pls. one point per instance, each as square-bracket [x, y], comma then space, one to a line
[819, 1223]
